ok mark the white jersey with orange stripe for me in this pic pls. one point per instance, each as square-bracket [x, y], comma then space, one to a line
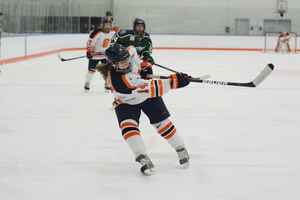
[99, 41]
[131, 89]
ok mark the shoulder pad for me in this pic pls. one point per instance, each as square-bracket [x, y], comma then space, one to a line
[118, 83]
[123, 32]
[95, 32]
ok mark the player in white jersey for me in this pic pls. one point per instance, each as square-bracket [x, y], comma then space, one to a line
[135, 92]
[97, 43]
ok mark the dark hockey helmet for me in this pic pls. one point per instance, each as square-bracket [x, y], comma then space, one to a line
[108, 13]
[106, 21]
[136, 22]
[119, 56]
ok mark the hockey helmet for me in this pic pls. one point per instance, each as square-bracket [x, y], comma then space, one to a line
[118, 56]
[108, 13]
[136, 22]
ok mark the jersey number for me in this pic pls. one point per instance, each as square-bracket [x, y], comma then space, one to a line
[105, 42]
[143, 87]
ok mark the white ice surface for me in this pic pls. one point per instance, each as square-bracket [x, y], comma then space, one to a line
[57, 142]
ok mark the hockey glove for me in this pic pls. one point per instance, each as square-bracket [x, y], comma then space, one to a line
[149, 59]
[89, 53]
[179, 80]
[145, 71]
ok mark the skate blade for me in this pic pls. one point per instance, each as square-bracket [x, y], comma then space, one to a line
[186, 165]
[149, 172]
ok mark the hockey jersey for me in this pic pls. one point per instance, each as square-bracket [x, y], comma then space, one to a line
[128, 38]
[98, 42]
[131, 89]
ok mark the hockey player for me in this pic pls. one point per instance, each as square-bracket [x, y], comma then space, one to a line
[97, 43]
[137, 38]
[133, 93]
[283, 39]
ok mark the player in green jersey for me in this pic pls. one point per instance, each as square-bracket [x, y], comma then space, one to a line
[137, 38]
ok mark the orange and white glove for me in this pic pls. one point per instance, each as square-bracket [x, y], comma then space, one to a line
[179, 80]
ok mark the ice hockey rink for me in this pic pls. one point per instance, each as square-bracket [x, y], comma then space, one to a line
[57, 142]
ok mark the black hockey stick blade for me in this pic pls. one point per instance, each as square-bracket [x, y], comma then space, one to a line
[260, 78]
[62, 59]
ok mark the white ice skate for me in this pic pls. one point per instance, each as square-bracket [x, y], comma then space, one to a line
[87, 87]
[184, 158]
[147, 165]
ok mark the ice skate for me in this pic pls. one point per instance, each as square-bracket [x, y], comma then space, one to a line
[87, 87]
[184, 157]
[147, 165]
[106, 86]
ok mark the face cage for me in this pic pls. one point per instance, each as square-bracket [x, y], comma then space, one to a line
[106, 29]
[123, 71]
[139, 32]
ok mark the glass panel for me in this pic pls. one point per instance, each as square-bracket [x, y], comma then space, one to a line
[79, 16]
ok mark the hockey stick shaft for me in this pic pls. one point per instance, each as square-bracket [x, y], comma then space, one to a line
[260, 78]
[63, 59]
[206, 76]
[166, 68]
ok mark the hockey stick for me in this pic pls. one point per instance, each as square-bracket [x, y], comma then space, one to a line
[200, 78]
[260, 78]
[206, 76]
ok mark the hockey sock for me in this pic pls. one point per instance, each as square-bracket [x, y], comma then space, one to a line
[131, 134]
[89, 76]
[167, 130]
